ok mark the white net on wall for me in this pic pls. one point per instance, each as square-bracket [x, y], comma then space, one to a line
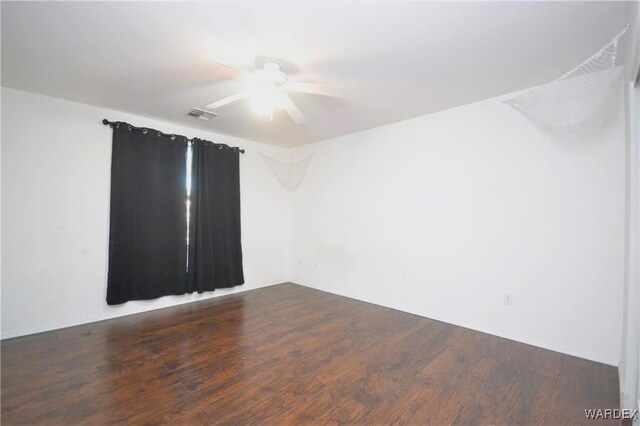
[291, 174]
[579, 100]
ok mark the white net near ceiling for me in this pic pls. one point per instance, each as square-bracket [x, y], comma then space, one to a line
[289, 173]
[579, 100]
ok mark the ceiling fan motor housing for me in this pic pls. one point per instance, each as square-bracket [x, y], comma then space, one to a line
[271, 75]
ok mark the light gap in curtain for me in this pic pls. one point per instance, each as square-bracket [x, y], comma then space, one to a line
[189, 186]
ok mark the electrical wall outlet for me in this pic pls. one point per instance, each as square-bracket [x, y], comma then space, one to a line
[507, 300]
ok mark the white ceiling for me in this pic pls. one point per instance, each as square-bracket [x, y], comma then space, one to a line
[397, 60]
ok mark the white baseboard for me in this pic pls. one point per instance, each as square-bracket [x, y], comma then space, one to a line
[66, 324]
[538, 344]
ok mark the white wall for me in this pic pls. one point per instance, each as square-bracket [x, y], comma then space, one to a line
[55, 210]
[444, 214]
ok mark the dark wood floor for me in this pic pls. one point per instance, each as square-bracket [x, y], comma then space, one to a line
[288, 354]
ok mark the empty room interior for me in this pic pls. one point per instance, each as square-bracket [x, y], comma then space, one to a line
[320, 212]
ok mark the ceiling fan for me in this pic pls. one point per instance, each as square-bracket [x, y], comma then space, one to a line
[267, 92]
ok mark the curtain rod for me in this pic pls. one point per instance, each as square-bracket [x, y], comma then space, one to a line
[144, 129]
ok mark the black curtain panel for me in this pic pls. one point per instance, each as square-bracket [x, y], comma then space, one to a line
[147, 241]
[215, 251]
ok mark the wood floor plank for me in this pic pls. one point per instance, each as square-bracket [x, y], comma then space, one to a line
[288, 354]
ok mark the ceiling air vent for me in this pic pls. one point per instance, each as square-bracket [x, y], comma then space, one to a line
[201, 114]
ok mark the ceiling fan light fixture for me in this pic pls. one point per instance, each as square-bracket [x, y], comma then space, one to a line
[265, 99]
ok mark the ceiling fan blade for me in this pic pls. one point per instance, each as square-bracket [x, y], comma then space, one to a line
[234, 68]
[227, 100]
[292, 110]
[316, 89]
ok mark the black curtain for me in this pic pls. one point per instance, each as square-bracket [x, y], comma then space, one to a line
[147, 241]
[149, 254]
[215, 250]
